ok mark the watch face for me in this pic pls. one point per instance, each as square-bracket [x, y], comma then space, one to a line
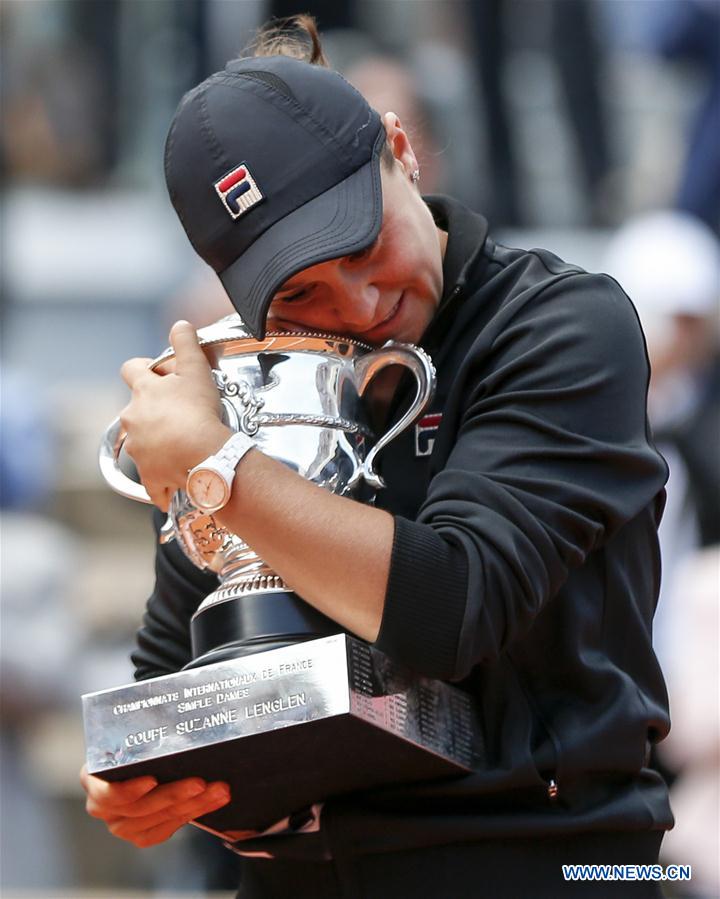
[207, 489]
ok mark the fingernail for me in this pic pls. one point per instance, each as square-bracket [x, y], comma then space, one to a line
[219, 791]
[145, 784]
[195, 788]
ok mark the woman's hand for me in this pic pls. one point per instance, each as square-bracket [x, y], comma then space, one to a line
[145, 813]
[173, 421]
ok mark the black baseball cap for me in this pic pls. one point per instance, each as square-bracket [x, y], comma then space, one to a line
[273, 165]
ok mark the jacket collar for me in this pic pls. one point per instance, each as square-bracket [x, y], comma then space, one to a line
[467, 232]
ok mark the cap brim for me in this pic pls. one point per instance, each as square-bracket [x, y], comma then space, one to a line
[345, 219]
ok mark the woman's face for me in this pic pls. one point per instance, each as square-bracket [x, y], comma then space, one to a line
[389, 291]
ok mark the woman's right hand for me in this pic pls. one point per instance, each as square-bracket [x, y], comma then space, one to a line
[144, 812]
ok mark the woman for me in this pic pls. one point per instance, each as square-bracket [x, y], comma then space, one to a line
[514, 550]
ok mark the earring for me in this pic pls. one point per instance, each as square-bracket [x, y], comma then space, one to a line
[415, 176]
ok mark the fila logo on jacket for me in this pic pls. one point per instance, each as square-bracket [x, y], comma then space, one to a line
[425, 431]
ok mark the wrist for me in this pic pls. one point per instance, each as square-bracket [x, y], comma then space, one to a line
[210, 440]
[209, 484]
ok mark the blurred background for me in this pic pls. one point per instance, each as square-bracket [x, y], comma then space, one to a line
[589, 127]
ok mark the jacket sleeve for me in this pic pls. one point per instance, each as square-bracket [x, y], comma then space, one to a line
[551, 456]
[163, 641]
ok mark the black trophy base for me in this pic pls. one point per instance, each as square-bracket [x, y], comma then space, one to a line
[285, 728]
[256, 622]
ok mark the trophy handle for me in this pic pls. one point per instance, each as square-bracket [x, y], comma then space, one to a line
[420, 364]
[110, 448]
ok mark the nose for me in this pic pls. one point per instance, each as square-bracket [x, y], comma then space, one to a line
[359, 305]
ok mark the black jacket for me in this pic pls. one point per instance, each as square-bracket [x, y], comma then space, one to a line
[525, 563]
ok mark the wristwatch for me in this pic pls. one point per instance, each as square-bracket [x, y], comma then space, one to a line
[209, 484]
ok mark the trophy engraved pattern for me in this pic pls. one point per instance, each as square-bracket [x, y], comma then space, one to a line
[245, 417]
[320, 421]
[255, 583]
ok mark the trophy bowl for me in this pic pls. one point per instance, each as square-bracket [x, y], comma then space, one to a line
[300, 397]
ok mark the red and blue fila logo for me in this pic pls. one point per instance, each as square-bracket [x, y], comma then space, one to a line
[425, 431]
[238, 191]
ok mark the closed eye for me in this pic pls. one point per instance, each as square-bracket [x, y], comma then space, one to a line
[302, 293]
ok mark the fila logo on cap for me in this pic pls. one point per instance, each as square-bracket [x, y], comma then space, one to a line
[238, 191]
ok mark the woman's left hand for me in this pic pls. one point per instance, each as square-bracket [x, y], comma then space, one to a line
[173, 421]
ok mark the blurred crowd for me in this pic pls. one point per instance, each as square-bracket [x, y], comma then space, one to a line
[591, 127]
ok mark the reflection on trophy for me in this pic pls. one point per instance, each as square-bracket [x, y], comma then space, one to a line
[277, 700]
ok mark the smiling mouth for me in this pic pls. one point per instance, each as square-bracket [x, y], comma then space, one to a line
[391, 315]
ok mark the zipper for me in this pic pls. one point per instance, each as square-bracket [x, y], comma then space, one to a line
[552, 782]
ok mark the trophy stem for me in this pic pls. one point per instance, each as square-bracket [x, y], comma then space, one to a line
[255, 622]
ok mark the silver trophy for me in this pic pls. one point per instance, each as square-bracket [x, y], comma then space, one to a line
[277, 700]
[299, 396]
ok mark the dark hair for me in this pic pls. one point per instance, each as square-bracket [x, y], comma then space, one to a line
[297, 36]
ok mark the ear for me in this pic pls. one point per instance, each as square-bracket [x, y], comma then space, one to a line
[400, 143]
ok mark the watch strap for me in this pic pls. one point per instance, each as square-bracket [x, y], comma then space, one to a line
[232, 451]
